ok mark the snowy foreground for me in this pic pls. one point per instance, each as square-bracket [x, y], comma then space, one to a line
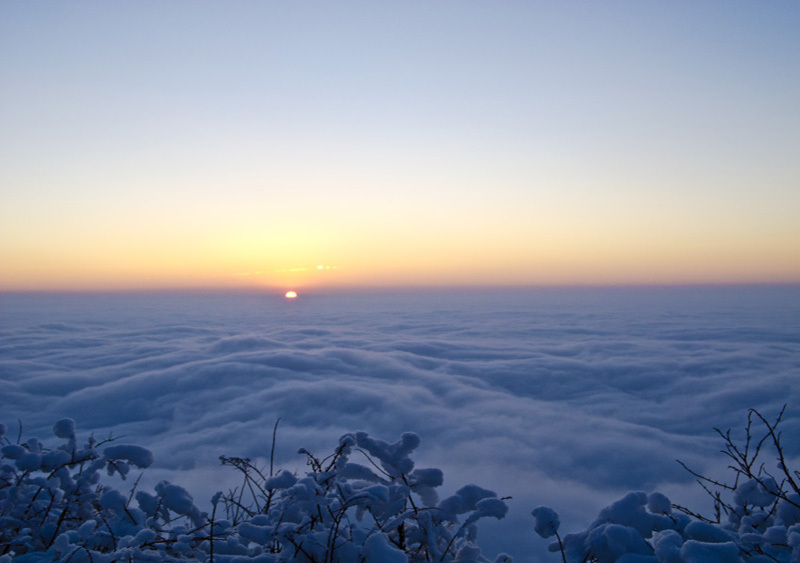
[381, 510]
[563, 398]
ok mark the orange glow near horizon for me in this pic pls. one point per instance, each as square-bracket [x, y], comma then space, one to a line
[296, 175]
[408, 244]
[494, 253]
[394, 266]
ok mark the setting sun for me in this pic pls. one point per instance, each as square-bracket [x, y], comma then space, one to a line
[520, 183]
[291, 295]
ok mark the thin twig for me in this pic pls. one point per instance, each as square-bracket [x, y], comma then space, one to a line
[272, 450]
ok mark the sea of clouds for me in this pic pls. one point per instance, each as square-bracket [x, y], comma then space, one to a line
[564, 397]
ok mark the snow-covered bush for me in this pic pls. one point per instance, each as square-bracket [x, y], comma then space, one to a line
[757, 516]
[366, 503]
[53, 507]
[342, 510]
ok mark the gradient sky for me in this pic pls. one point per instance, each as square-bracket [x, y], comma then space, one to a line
[273, 144]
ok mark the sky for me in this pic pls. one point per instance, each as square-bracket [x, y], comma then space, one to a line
[562, 397]
[315, 144]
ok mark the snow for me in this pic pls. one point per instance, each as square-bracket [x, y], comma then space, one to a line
[13, 451]
[704, 532]
[546, 521]
[431, 477]
[64, 428]
[135, 455]
[562, 398]
[699, 552]
[378, 550]
[788, 513]
[491, 507]
[283, 480]
[610, 541]
[393, 457]
[465, 499]
[756, 492]
[658, 503]
[668, 546]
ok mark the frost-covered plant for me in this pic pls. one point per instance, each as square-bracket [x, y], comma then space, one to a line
[757, 516]
[384, 511]
[53, 507]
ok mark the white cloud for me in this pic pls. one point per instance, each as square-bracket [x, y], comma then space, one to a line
[536, 395]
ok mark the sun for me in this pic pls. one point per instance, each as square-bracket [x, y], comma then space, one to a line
[291, 295]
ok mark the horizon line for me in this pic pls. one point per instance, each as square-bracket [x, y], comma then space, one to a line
[388, 289]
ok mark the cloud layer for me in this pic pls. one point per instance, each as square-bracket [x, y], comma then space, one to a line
[561, 397]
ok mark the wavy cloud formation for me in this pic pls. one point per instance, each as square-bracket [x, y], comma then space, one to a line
[560, 397]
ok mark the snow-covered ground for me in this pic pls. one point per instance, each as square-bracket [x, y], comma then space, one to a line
[562, 397]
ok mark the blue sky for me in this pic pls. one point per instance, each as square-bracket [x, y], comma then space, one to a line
[194, 144]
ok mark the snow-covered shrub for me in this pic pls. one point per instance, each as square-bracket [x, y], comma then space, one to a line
[365, 503]
[757, 516]
[53, 507]
[380, 510]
